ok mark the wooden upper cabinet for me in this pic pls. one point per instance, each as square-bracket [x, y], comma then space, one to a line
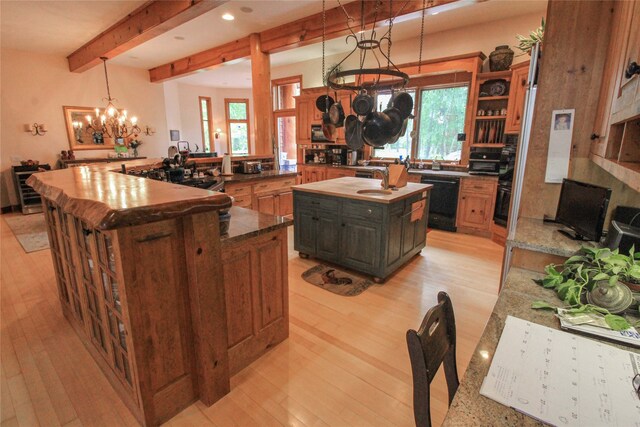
[517, 93]
[304, 112]
[627, 96]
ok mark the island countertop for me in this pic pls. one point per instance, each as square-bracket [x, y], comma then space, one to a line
[348, 187]
[469, 408]
[107, 200]
[246, 223]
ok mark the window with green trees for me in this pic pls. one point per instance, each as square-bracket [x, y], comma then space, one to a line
[237, 111]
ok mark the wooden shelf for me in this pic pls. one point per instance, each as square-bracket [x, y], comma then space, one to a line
[627, 172]
[493, 98]
[490, 117]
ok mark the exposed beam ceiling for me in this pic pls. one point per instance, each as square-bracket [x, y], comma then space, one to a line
[146, 22]
[294, 34]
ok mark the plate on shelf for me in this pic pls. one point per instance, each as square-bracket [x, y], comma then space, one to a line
[498, 88]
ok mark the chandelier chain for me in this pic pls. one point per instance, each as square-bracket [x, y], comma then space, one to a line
[106, 77]
[424, 8]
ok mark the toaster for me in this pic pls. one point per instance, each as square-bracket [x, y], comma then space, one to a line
[251, 167]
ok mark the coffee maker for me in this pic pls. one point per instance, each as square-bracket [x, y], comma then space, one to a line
[338, 156]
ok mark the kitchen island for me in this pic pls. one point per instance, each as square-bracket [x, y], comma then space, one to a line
[140, 277]
[350, 222]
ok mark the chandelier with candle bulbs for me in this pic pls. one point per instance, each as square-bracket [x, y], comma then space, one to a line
[111, 122]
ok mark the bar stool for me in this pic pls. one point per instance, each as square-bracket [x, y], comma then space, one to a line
[433, 344]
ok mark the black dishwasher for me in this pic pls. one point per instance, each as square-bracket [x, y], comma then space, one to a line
[443, 201]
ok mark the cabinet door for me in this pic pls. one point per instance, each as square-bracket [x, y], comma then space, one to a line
[285, 203]
[265, 203]
[303, 126]
[305, 231]
[360, 244]
[328, 235]
[408, 233]
[518, 91]
[339, 173]
[474, 211]
[628, 94]
[394, 243]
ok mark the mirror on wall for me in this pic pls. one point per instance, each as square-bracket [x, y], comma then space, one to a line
[83, 124]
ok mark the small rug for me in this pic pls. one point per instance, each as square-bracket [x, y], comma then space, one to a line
[30, 230]
[336, 281]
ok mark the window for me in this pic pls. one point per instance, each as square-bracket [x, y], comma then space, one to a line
[284, 91]
[205, 122]
[403, 146]
[237, 113]
[442, 112]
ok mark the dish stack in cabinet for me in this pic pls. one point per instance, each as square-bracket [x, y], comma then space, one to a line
[491, 94]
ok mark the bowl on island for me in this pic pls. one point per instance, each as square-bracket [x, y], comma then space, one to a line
[363, 162]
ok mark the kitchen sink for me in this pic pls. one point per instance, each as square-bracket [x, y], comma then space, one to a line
[375, 192]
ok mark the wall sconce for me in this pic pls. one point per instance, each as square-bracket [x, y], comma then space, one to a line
[216, 135]
[149, 130]
[36, 129]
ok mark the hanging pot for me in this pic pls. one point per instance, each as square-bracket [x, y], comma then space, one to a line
[403, 131]
[353, 132]
[363, 104]
[396, 120]
[328, 129]
[404, 103]
[376, 129]
[336, 114]
[324, 102]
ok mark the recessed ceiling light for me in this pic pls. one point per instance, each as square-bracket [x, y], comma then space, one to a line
[435, 13]
[228, 17]
[246, 9]
[179, 38]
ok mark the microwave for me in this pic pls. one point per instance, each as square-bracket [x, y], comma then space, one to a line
[484, 160]
[317, 135]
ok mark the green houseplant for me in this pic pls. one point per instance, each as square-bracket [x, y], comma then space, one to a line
[581, 274]
[526, 43]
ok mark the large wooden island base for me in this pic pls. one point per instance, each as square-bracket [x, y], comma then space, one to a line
[343, 221]
[140, 278]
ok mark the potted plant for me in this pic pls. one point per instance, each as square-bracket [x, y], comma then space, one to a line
[593, 281]
[526, 43]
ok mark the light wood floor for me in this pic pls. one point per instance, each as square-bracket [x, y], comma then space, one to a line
[344, 364]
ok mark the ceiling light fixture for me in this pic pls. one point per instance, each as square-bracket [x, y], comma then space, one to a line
[112, 122]
[228, 17]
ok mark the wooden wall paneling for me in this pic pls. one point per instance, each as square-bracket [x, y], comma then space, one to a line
[146, 22]
[626, 104]
[261, 90]
[160, 316]
[208, 304]
[575, 49]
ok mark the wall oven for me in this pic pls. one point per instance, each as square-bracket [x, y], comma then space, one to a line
[484, 161]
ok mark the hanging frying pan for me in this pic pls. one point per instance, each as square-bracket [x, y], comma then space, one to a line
[328, 129]
[336, 114]
[324, 102]
[353, 132]
[363, 104]
[396, 120]
[376, 129]
[403, 102]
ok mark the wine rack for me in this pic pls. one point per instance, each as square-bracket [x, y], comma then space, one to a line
[30, 201]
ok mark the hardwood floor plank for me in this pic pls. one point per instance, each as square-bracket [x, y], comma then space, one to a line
[344, 364]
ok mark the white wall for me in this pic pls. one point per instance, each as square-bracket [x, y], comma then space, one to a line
[483, 37]
[189, 113]
[35, 87]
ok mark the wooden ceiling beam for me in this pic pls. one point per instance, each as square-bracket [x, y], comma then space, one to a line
[146, 22]
[293, 34]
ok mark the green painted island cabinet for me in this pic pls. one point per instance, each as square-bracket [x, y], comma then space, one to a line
[374, 235]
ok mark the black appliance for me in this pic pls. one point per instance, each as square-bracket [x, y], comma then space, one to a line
[364, 173]
[507, 163]
[582, 208]
[338, 156]
[485, 160]
[503, 199]
[30, 201]
[443, 201]
[317, 135]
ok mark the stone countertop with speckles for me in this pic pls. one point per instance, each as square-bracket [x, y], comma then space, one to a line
[246, 223]
[539, 236]
[469, 408]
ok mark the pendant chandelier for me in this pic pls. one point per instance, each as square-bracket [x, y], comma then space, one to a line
[111, 122]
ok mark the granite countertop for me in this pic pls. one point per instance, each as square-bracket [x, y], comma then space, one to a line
[449, 173]
[539, 236]
[348, 187]
[246, 177]
[247, 223]
[469, 407]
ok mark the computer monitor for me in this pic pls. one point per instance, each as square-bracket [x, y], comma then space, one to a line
[582, 208]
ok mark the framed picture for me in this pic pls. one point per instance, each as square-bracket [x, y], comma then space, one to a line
[175, 135]
[120, 141]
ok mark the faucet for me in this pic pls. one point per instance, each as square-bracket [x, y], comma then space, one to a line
[385, 177]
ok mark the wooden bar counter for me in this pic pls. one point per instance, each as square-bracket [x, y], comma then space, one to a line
[140, 278]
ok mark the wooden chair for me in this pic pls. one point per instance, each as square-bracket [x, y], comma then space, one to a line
[433, 344]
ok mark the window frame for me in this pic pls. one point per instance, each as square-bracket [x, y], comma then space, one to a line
[418, 88]
[207, 100]
[282, 82]
[229, 122]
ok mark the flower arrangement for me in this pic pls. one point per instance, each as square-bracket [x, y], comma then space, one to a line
[526, 43]
[134, 144]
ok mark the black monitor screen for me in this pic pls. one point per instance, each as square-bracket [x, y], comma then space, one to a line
[583, 207]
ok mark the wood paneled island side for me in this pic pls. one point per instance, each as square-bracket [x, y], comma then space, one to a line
[140, 278]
